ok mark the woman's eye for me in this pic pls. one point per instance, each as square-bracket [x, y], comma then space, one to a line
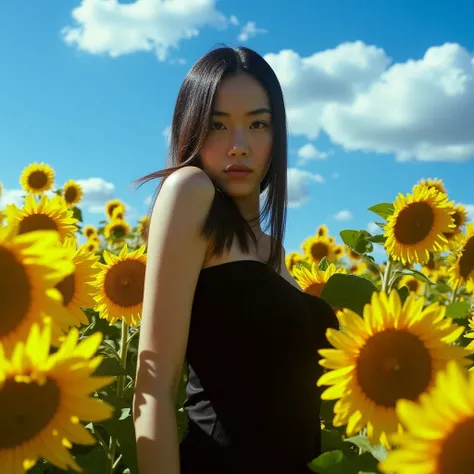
[259, 124]
[217, 126]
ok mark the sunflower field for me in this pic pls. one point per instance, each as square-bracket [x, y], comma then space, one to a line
[397, 385]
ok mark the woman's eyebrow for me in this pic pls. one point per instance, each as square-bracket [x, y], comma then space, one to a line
[261, 110]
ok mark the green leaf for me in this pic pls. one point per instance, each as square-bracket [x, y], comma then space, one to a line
[383, 209]
[458, 310]
[109, 366]
[326, 460]
[362, 442]
[348, 291]
[357, 240]
[377, 239]
[415, 273]
[370, 261]
[92, 462]
[124, 431]
[77, 213]
[323, 264]
[443, 287]
[381, 224]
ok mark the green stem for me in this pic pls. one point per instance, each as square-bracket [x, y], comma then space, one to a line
[120, 387]
[454, 295]
[386, 282]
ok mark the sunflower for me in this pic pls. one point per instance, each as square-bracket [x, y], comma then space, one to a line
[89, 231]
[413, 284]
[416, 227]
[117, 230]
[48, 214]
[462, 270]
[47, 396]
[322, 231]
[121, 285]
[77, 289]
[91, 246]
[111, 205]
[434, 183]
[313, 281]
[439, 428]
[353, 255]
[32, 264]
[144, 227]
[72, 193]
[357, 268]
[118, 213]
[460, 218]
[3, 216]
[470, 335]
[373, 361]
[292, 259]
[315, 248]
[37, 178]
[338, 251]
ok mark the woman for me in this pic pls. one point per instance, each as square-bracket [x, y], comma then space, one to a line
[227, 306]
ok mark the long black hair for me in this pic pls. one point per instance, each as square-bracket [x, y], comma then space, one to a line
[189, 130]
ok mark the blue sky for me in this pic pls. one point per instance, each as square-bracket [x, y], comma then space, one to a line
[379, 95]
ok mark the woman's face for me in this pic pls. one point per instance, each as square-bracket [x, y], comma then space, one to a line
[240, 133]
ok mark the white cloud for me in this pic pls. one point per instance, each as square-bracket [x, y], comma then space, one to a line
[309, 152]
[298, 186]
[114, 28]
[333, 75]
[373, 228]
[233, 20]
[250, 30]
[97, 192]
[420, 109]
[343, 215]
[12, 196]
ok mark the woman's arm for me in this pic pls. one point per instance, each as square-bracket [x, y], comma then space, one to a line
[176, 252]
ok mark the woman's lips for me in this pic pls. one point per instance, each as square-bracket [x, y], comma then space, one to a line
[238, 174]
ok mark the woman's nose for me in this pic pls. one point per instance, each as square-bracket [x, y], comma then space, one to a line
[238, 146]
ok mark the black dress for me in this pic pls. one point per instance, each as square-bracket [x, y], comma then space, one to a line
[251, 397]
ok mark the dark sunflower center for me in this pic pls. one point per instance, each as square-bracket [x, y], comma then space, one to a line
[124, 283]
[67, 287]
[15, 293]
[414, 223]
[386, 371]
[315, 289]
[413, 285]
[89, 232]
[466, 262]
[30, 408]
[37, 222]
[319, 250]
[37, 179]
[118, 231]
[70, 194]
[456, 453]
